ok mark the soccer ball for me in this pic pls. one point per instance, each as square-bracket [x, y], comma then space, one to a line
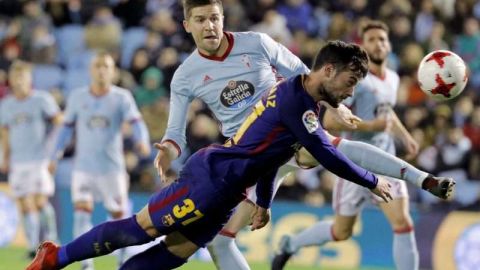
[442, 75]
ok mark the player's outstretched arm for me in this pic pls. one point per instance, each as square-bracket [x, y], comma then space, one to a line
[4, 139]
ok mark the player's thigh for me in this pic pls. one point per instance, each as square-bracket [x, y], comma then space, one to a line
[31, 178]
[113, 191]
[179, 245]
[349, 198]
[26, 203]
[82, 190]
[40, 200]
[241, 217]
[398, 214]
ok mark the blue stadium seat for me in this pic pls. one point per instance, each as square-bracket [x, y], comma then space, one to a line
[132, 39]
[46, 77]
[79, 60]
[70, 40]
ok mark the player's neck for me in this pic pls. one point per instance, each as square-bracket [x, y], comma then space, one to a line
[222, 48]
[309, 86]
[99, 90]
[378, 70]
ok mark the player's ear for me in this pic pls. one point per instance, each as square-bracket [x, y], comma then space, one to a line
[186, 26]
[329, 70]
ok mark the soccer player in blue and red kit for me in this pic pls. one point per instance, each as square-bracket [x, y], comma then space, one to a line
[192, 210]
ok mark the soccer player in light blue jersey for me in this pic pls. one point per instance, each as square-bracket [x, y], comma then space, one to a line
[24, 118]
[230, 71]
[97, 113]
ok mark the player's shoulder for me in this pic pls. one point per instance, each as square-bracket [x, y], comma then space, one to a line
[392, 74]
[120, 92]
[41, 94]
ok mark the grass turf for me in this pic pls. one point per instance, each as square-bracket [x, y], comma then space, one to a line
[16, 259]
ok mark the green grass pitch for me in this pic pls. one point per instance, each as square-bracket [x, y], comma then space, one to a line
[15, 259]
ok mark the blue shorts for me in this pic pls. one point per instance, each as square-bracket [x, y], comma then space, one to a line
[193, 207]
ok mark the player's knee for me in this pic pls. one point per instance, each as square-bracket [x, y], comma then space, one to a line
[341, 233]
[402, 224]
[83, 206]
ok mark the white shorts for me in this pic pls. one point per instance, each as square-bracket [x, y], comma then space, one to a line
[110, 188]
[31, 178]
[350, 198]
[291, 164]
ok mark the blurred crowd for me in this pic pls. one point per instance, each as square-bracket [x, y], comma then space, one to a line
[148, 41]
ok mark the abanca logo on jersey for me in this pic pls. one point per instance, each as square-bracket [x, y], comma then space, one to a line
[237, 94]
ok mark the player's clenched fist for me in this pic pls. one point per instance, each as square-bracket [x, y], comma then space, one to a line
[383, 189]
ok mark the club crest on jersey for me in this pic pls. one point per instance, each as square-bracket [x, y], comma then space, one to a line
[237, 94]
[310, 120]
[168, 220]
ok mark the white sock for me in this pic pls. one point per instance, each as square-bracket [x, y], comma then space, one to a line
[31, 224]
[82, 223]
[48, 222]
[378, 161]
[405, 252]
[225, 254]
[316, 235]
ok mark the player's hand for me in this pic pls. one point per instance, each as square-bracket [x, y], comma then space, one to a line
[383, 189]
[343, 115]
[52, 167]
[143, 149]
[260, 218]
[163, 160]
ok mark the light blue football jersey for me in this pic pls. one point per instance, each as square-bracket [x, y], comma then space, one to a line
[27, 121]
[98, 125]
[230, 85]
[373, 97]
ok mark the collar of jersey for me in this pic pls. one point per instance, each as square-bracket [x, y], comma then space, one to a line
[230, 40]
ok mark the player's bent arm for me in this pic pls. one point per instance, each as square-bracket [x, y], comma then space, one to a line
[318, 144]
[64, 138]
[141, 137]
[398, 129]
[264, 189]
[180, 99]
[329, 123]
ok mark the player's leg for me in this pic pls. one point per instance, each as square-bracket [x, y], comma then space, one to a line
[48, 223]
[223, 249]
[100, 240]
[348, 201]
[31, 222]
[405, 252]
[82, 197]
[23, 187]
[168, 254]
[113, 189]
[371, 158]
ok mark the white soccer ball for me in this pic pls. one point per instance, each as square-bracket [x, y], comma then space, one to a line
[442, 75]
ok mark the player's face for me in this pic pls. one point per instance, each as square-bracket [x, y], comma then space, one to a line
[20, 81]
[206, 26]
[102, 70]
[338, 87]
[375, 42]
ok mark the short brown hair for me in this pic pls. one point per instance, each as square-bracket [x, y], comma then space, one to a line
[372, 24]
[19, 65]
[188, 5]
[344, 56]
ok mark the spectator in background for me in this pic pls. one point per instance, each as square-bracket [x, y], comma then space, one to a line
[424, 21]
[298, 14]
[436, 41]
[43, 46]
[63, 12]
[472, 131]
[235, 17]
[274, 25]
[256, 9]
[140, 62]
[103, 31]
[151, 88]
[168, 62]
[130, 12]
[33, 17]
[466, 46]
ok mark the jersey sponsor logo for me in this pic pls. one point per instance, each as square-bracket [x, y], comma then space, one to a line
[21, 118]
[310, 120]
[98, 121]
[237, 94]
[206, 79]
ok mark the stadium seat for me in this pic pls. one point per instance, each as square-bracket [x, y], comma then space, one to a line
[70, 40]
[79, 60]
[132, 39]
[75, 78]
[46, 77]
